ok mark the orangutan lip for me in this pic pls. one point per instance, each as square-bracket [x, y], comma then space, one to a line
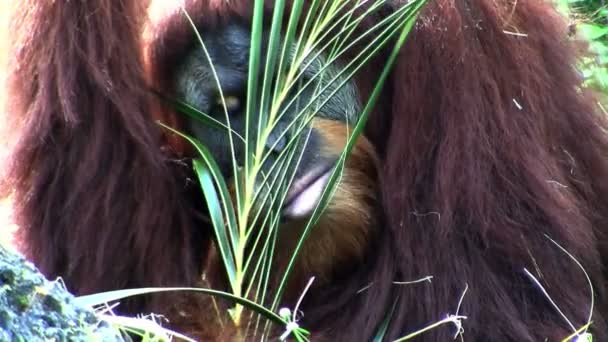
[306, 192]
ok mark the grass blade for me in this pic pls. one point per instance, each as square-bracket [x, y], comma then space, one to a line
[217, 218]
[112, 296]
[227, 244]
[356, 132]
[201, 117]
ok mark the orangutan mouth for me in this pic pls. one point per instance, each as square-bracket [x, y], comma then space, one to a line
[305, 193]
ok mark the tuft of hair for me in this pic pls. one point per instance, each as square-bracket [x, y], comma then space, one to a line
[491, 144]
[96, 199]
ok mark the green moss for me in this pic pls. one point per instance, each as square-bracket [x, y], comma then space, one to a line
[35, 309]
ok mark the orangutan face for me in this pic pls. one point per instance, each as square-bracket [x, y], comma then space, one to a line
[214, 80]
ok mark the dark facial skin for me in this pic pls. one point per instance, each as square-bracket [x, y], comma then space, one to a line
[228, 48]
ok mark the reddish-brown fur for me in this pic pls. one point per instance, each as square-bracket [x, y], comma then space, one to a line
[486, 143]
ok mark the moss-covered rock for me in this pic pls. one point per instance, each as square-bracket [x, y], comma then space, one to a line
[35, 309]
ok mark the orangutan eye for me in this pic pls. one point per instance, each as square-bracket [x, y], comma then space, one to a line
[233, 103]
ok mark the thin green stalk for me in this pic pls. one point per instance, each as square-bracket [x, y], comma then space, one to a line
[300, 58]
[112, 296]
[396, 16]
[204, 118]
[221, 92]
[370, 46]
[276, 214]
[292, 26]
[247, 236]
[317, 94]
[451, 319]
[226, 248]
[269, 73]
[357, 131]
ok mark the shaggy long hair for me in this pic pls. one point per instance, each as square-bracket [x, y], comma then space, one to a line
[487, 145]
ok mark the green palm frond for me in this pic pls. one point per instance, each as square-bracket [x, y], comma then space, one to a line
[318, 38]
